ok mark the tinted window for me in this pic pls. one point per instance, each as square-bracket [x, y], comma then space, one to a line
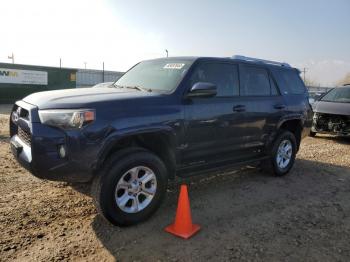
[224, 76]
[274, 90]
[289, 81]
[254, 81]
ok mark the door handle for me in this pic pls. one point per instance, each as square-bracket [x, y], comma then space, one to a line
[279, 106]
[239, 108]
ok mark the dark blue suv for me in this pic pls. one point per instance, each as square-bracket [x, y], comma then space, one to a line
[164, 117]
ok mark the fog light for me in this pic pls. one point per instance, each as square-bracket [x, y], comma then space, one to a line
[62, 151]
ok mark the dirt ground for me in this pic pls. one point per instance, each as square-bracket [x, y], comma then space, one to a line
[245, 215]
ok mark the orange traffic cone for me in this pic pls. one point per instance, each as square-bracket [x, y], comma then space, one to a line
[183, 227]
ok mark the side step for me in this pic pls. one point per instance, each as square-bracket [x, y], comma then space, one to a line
[215, 167]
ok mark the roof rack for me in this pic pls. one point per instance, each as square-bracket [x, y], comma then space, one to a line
[252, 59]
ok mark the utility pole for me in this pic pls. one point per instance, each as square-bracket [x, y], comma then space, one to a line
[167, 53]
[60, 62]
[103, 72]
[12, 57]
[85, 64]
[304, 73]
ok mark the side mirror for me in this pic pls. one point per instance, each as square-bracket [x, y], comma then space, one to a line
[202, 89]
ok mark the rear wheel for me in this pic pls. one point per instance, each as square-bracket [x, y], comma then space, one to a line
[282, 154]
[130, 188]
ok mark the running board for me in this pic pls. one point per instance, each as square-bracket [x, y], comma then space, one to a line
[217, 167]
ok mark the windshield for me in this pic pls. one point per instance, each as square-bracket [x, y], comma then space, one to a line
[161, 75]
[341, 95]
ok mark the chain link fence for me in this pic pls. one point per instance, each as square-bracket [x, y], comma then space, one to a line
[89, 77]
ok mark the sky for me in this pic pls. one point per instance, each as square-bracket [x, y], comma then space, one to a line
[313, 34]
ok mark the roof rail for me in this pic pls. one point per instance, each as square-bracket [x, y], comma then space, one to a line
[252, 59]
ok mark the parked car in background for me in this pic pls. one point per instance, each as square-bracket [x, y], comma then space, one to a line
[332, 113]
[314, 96]
[164, 117]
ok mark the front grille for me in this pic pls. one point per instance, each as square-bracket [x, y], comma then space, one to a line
[24, 136]
[332, 123]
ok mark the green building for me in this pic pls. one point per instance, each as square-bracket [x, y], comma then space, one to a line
[18, 81]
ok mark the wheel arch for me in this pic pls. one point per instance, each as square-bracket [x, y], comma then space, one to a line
[160, 141]
[294, 125]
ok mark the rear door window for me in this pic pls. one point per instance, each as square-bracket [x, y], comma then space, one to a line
[254, 81]
[223, 75]
[289, 81]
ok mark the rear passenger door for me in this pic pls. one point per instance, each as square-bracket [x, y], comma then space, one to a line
[262, 102]
[293, 87]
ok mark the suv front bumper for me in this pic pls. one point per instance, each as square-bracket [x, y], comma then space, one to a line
[36, 147]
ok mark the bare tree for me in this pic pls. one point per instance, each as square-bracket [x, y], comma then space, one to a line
[309, 82]
[345, 80]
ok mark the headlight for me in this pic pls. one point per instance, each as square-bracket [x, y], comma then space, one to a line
[66, 118]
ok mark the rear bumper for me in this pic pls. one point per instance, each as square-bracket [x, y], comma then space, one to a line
[307, 125]
[40, 154]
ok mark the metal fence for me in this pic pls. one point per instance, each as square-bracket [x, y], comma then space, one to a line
[89, 77]
[321, 89]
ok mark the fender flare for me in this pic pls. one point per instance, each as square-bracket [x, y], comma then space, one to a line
[116, 136]
[290, 117]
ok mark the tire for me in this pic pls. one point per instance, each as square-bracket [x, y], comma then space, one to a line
[273, 164]
[312, 134]
[113, 186]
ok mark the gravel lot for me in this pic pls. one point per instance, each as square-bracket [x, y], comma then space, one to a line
[245, 215]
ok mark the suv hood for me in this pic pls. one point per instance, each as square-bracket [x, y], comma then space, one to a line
[332, 108]
[80, 97]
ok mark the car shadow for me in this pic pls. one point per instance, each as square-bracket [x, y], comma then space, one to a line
[338, 139]
[83, 188]
[242, 211]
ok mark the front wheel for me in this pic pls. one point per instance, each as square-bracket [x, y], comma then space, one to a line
[130, 188]
[282, 154]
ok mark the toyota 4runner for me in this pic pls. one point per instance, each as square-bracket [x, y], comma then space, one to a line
[164, 117]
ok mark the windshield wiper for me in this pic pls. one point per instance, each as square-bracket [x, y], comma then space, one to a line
[119, 86]
[135, 87]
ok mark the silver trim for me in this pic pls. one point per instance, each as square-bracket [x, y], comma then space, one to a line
[136, 189]
[284, 154]
[26, 153]
[252, 59]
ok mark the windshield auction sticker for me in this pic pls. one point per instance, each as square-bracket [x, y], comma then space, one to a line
[174, 66]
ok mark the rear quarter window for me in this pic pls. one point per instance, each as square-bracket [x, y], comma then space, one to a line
[289, 81]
